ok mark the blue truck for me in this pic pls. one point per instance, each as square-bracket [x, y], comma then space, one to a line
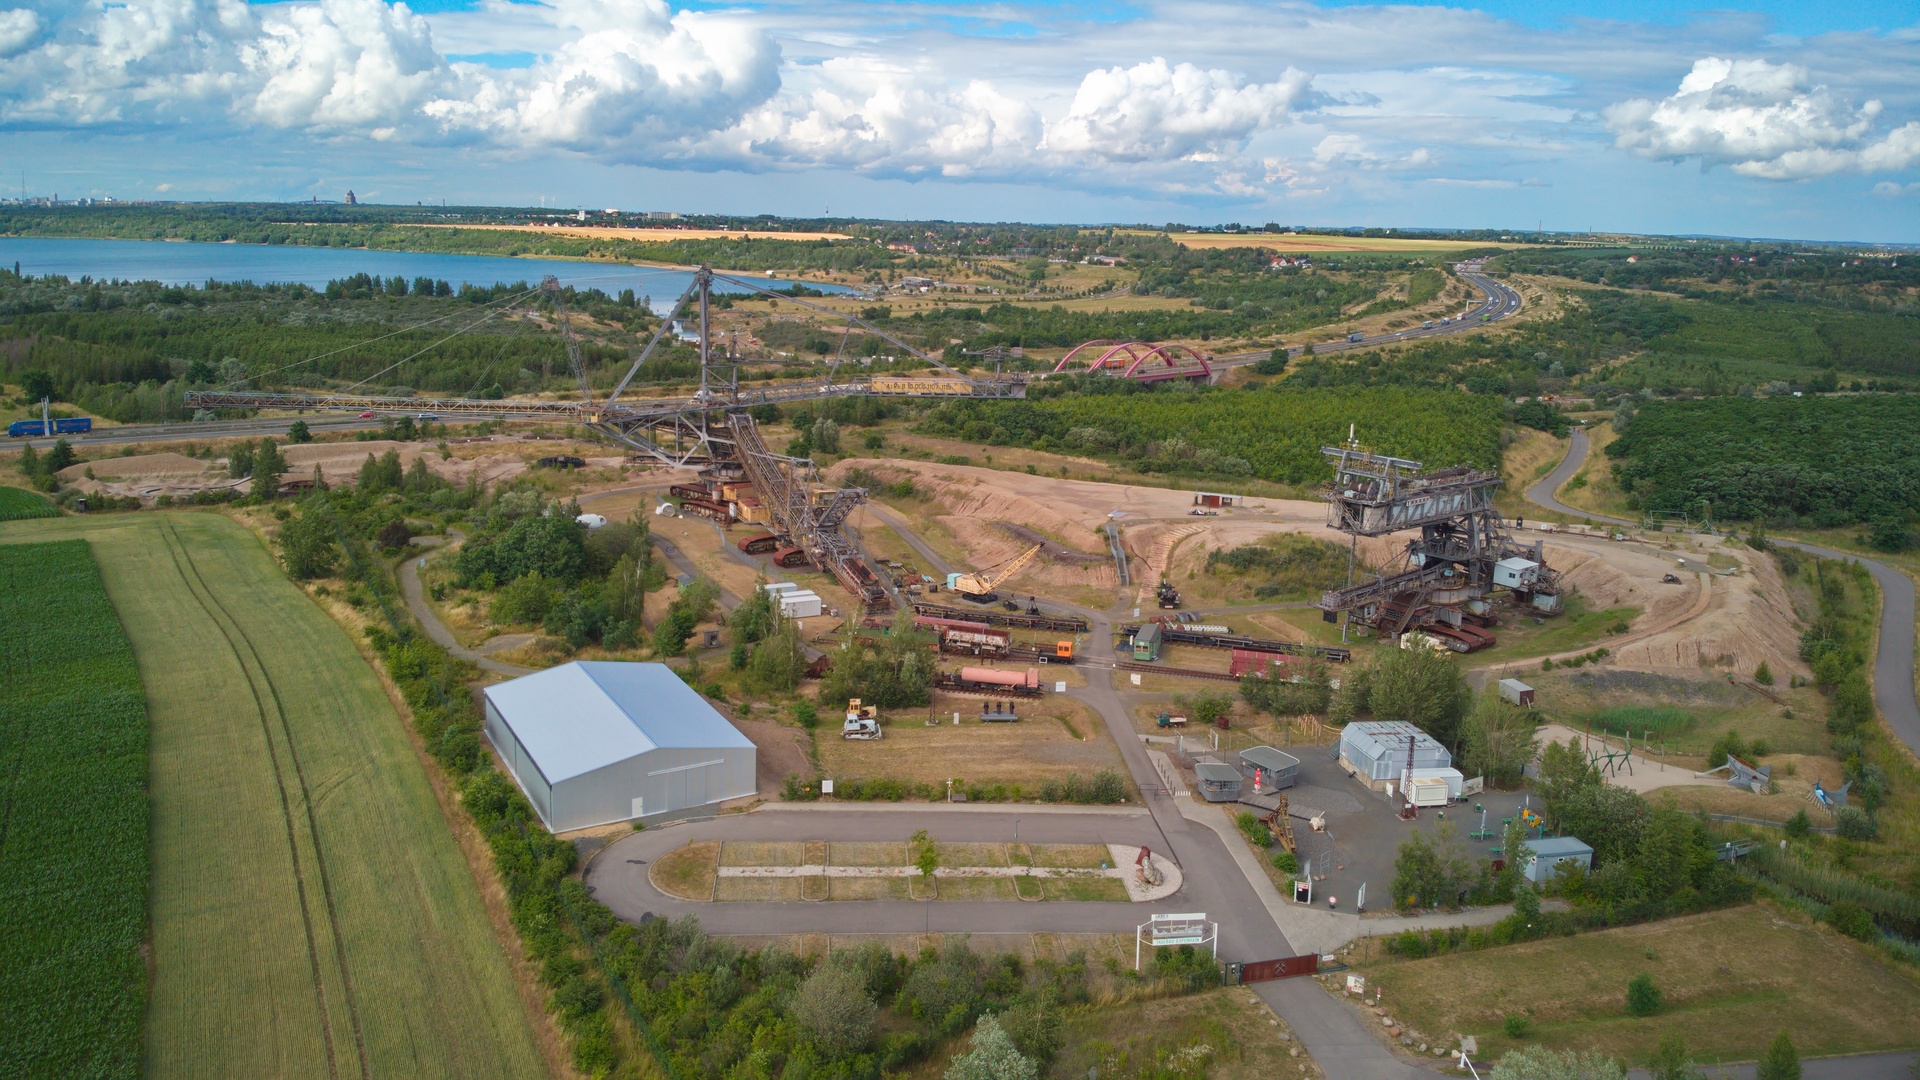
[28, 428]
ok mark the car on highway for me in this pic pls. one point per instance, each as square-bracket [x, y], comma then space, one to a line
[1356, 336]
[366, 416]
[428, 416]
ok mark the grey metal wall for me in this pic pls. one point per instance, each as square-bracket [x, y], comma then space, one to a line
[538, 791]
[664, 780]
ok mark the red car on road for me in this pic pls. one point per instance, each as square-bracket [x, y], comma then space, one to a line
[366, 416]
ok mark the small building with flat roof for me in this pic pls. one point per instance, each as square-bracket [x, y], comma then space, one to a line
[595, 742]
[1269, 769]
[1555, 853]
[1219, 782]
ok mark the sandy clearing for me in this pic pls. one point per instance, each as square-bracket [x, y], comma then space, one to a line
[989, 513]
[1747, 618]
[143, 465]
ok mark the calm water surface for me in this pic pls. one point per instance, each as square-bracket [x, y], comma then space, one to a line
[191, 264]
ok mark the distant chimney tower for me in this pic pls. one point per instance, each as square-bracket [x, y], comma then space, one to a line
[351, 201]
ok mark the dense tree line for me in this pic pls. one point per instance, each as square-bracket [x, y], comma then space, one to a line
[130, 350]
[1830, 461]
[1274, 434]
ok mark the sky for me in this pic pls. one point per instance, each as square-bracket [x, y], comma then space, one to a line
[1763, 119]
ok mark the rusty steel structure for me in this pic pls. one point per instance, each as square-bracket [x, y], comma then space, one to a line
[709, 429]
[1464, 552]
[1141, 361]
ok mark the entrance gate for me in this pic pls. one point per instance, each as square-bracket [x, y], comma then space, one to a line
[1286, 967]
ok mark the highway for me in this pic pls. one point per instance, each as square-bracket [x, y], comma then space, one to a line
[1497, 302]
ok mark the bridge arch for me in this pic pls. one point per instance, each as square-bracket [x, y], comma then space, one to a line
[1113, 348]
[1168, 356]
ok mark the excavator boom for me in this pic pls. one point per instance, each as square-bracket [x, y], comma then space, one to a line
[984, 583]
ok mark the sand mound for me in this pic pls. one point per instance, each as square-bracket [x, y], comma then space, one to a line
[1747, 620]
[140, 466]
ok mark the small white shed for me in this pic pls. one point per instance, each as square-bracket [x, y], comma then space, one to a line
[801, 604]
[1515, 692]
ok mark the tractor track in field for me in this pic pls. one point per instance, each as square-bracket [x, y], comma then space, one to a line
[204, 596]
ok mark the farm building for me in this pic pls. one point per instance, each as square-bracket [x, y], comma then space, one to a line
[1377, 749]
[1554, 853]
[594, 742]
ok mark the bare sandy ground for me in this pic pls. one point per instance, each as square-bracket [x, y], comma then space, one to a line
[1747, 621]
[149, 476]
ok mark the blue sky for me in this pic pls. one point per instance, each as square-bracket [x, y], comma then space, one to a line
[1758, 119]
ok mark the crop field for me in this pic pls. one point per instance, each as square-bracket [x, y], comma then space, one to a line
[73, 884]
[311, 914]
[18, 503]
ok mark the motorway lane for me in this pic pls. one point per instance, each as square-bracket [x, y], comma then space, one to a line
[1499, 302]
[1893, 688]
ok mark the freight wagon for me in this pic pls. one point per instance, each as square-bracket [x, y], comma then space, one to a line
[974, 679]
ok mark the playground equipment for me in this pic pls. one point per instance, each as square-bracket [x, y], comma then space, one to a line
[1832, 800]
[1742, 775]
[1481, 833]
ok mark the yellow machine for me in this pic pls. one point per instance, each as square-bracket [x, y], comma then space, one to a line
[985, 582]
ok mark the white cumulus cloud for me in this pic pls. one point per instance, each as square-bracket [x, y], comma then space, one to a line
[1157, 112]
[1763, 120]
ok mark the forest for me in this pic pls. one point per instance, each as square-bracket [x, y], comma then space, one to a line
[1272, 433]
[128, 351]
[1828, 461]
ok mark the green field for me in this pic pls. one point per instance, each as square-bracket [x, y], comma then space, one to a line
[311, 915]
[17, 503]
[1731, 979]
[73, 821]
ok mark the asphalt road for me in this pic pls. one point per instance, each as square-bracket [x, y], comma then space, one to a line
[1499, 302]
[1893, 688]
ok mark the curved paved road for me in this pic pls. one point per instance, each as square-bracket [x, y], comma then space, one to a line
[1893, 688]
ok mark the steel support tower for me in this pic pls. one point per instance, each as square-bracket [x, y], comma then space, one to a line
[1463, 553]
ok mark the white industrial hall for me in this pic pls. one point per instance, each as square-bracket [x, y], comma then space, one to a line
[595, 742]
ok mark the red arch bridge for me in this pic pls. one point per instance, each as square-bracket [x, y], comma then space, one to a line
[1138, 360]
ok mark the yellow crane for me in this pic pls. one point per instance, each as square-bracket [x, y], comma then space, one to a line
[985, 582]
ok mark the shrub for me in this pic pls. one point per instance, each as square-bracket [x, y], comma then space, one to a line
[1781, 1062]
[1517, 1026]
[1643, 998]
[832, 1006]
[1763, 674]
[1851, 919]
[1852, 823]
[1286, 862]
[1799, 825]
[1256, 833]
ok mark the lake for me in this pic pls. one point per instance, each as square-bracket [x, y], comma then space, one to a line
[183, 263]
